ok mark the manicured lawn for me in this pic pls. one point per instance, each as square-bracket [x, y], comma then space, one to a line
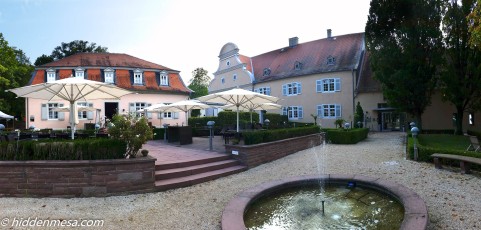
[444, 141]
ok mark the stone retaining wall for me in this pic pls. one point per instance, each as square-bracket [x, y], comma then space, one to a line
[77, 178]
[254, 155]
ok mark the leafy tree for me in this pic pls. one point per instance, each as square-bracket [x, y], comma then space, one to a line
[15, 71]
[475, 26]
[405, 42]
[44, 59]
[67, 49]
[358, 116]
[199, 84]
[77, 46]
[461, 77]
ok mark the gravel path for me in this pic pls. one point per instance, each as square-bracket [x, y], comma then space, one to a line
[453, 199]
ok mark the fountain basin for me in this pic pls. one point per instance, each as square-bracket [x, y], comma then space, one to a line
[415, 210]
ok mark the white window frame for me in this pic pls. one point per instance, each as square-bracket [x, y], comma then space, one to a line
[329, 111]
[266, 72]
[109, 75]
[164, 79]
[293, 112]
[52, 115]
[297, 65]
[138, 77]
[264, 90]
[291, 89]
[51, 75]
[328, 85]
[79, 73]
[82, 115]
[227, 63]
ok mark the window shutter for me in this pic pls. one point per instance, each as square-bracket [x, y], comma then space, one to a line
[57, 76]
[61, 115]
[299, 88]
[284, 90]
[337, 84]
[102, 75]
[319, 86]
[268, 90]
[159, 115]
[320, 109]
[90, 114]
[284, 110]
[175, 115]
[143, 78]
[86, 74]
[149, 114]
[157, 78]
[115, 78]
[44, 112]
[256, 90]
[338, 110]
[131, 72]
[131, 107]
[300, 112]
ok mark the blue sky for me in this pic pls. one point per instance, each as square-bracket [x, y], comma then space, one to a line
[179, 34]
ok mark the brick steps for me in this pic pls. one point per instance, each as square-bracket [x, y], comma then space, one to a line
[178, 182]
[194, 171]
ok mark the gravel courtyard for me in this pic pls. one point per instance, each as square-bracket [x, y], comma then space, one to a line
[453, 199]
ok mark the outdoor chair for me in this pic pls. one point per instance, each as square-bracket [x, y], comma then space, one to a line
[474, 146]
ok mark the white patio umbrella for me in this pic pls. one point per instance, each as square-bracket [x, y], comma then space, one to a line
[249, 107]
[71, 89]
[238, 97]
[184, 106]
[4, 115]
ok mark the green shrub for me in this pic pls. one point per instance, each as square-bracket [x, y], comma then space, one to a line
[251, 138]
[158, 133]
[133, 130]
[346, 136]
[276, 121]
[81, 149]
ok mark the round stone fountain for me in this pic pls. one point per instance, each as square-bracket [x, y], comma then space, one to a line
[242, 211]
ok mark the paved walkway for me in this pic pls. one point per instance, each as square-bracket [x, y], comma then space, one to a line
[167, 153]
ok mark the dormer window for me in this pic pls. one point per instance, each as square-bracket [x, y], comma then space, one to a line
[297, 65]
[138, 77]
[228, 63]
[164, 78]
[267, 72]
[79, 72]
[331, 60]
[109, 75]
[51, 75]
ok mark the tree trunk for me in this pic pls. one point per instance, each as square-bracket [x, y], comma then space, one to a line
[459, 121]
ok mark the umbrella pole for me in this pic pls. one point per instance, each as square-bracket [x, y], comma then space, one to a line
[186, 118]
[237, 118]
[72, 121]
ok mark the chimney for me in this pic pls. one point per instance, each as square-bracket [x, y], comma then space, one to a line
[293, 42]
[329, 32]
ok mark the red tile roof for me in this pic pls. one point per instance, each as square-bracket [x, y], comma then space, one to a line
[103, 60]
[367, 82]
[346, 50]
[93, 63]
[246, 60]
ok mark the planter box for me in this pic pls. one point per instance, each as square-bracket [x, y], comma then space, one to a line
[254, 155]
[77, 178]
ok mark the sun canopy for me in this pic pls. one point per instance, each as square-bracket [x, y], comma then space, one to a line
[5, 116]
[71, 89]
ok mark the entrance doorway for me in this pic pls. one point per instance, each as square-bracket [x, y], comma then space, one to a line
[111, 108]
[392, 121]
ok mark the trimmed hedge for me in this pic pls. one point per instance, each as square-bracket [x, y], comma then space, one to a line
[257, 137]
[158, 133]
[81, 149]
[346, 136]
[425, 152]
[277, 121]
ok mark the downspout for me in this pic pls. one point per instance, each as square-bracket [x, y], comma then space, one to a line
[27, 114]
[353, 99]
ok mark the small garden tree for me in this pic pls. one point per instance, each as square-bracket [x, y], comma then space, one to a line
[134, 130]
[358, 116]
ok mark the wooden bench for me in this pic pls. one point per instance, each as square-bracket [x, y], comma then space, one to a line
[464, 161]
